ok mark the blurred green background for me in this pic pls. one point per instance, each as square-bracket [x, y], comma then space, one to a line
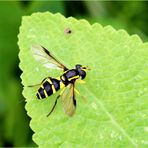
[14, 123]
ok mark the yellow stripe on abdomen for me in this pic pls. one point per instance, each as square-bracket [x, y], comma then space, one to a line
[46, 95]
[53, 89]
[49, 81]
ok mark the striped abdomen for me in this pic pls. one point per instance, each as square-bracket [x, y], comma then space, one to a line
[48, 87]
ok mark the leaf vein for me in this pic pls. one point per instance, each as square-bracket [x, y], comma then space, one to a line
[112, 118]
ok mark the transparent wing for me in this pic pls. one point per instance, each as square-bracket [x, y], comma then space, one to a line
[68, 100]
[42, 55]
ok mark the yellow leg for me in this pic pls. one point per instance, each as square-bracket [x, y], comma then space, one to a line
[77, 91]
[84, 98]
[62, 91]
[81, 81]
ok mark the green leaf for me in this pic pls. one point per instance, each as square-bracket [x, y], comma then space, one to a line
[116, 88]
[12, 114]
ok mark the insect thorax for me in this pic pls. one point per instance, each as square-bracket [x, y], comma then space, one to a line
[69, 76]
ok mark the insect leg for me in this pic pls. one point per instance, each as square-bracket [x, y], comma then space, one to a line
[53, 105]
[84, 98]
[77, 91]
[34, 85]
[81, 81]
[55, 102]
[38, 84]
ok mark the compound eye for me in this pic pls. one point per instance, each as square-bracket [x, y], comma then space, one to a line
[82, 74]
[78, 66]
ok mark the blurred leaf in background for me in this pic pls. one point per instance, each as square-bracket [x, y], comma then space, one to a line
[128, 15]
[10, 92]
[14, 123]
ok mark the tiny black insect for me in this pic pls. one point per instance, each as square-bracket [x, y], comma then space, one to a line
[68, 31]
[66, 81]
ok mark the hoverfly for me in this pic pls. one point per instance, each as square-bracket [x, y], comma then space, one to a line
[66, 81]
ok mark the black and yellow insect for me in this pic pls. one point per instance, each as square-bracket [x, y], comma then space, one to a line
[66, 81]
